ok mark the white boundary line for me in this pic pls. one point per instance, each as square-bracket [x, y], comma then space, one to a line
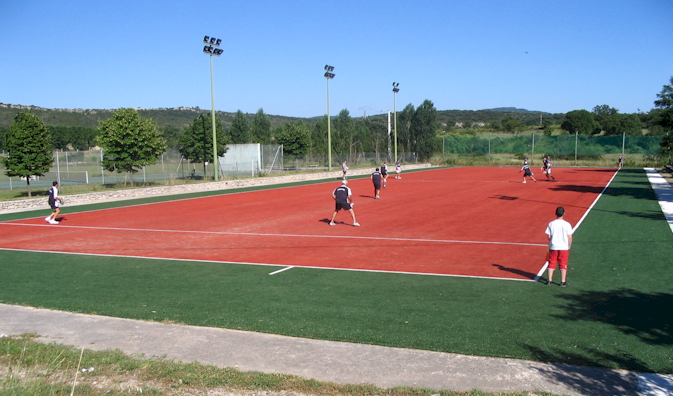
[276, 235]
[281, 270]
[586, 213]
[664, 193]
[269, 265]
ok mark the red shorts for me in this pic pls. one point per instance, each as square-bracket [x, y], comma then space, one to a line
[560, 257]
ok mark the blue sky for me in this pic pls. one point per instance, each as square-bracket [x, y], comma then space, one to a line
[553, 56]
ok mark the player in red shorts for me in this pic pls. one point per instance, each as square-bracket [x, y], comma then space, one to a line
[560, 234]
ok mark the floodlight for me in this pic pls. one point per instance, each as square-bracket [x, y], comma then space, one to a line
[218, 42]
[329, 75]
[207, 49]
[206, 39]
[217, 52]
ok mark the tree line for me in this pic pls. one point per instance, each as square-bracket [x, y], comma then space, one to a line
[131, 141]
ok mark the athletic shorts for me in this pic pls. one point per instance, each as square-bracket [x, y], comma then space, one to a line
[344, 206]
[528, 173]
[377, 186]
[398, 170]
[547, 171]
[560, 257]
[384, 173]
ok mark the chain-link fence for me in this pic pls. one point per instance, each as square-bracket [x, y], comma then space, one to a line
[569, 149]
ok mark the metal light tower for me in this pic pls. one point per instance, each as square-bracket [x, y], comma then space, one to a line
[209, 50]
[328, 76]
[395, 91]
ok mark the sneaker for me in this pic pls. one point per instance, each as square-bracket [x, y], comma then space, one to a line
[377, 197]
[564, 284]
[356, 224]
[524, 181]
[47, 219]
[53, 222]
[548, 283]
[332, 223]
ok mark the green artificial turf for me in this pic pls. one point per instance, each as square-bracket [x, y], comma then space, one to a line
[615, 313]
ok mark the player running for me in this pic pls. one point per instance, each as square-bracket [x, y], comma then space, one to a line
[398, 169]
[384, 173]
[527, 172]
[546, 168]
[343, 197]
[54, 201]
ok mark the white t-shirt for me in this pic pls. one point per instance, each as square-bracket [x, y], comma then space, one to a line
[560, 230]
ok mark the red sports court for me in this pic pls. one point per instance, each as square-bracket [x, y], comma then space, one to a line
[479, 221]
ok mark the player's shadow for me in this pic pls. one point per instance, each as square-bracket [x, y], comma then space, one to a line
[517, 271]
[367, 196]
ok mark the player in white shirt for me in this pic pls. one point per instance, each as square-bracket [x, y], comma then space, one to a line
[560, 234]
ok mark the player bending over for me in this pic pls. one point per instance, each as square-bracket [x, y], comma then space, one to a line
[527, 172]
[343, 197]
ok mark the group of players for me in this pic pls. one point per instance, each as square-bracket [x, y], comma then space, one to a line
[546, 169]
[343, 195]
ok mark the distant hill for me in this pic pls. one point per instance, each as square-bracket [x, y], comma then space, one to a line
[515, 110]
[180, 117]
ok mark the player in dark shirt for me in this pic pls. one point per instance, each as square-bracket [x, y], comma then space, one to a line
[376, 179]
[343, 197]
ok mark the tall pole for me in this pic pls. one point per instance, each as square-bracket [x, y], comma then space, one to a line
[329, 133]
[210, 50]
[329, 75]
[212, 115]
[395, 91]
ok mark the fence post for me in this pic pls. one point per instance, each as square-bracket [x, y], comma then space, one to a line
[58, 170]
[102, 170]
[575, 148]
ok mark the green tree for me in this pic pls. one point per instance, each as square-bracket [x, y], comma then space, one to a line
[617, 124]
[344, 132]
[129, 141]
[172, 135]
[510, 124]
[29, 148]
[295, 138]
[240, 131]
[3, 132]
[196, 141]
[664, 118]
[580, 121]
[423, 130]
[602, 115]
[261, 128]
[319, 136]
[404, 138]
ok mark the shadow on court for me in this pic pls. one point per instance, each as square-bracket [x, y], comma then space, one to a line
[517, 271]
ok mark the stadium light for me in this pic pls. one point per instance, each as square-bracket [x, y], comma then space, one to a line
[328, 76]
[395, 91]
[208, 49]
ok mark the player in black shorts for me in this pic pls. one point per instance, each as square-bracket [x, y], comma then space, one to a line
[527, 172]
[343, 197]
[376, 179]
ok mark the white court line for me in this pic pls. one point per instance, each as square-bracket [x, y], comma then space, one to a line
[281, 270]
[269, 265]
[586, 213]
[276, 235]
[664, 193]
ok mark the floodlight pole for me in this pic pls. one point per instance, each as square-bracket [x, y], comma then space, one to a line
[328, 76]
[395, 91]
[212, 115]
[208, 49]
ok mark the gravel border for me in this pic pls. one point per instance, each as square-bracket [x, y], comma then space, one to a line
[119, 195]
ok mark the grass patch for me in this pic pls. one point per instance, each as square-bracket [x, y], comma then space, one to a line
[30, 367]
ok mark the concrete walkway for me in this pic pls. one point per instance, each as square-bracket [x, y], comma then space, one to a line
[339, 362]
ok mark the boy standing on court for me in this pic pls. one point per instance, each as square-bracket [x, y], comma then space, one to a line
[54, 201]
[376, 179]
[343, 197]
[527, 172]
[384, 173]
[560, 234]
[344, 168]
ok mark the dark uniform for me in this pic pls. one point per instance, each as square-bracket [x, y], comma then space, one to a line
[342, 193]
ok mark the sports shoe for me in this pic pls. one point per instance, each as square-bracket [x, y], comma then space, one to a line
[356, 224]
[53, 222]
[47, 219]
[332, 223]
[377, 197]
[548, 283]
[564, 284]
[524, 181]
